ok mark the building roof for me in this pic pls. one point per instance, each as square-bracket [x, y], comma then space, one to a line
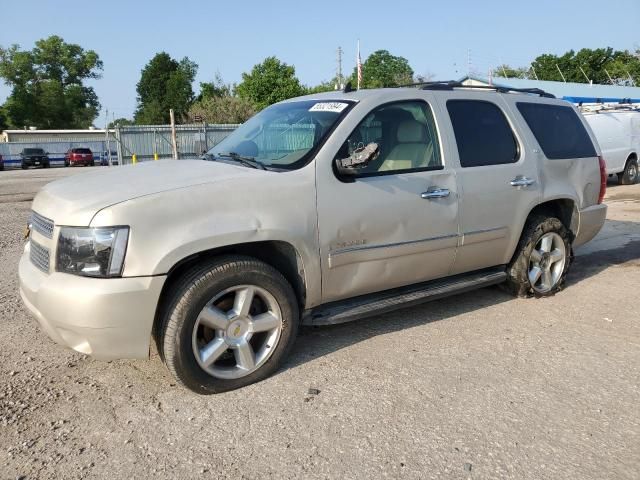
[571, 91]
[53, 132]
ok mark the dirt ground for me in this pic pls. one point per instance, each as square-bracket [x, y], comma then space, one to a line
[476, 386]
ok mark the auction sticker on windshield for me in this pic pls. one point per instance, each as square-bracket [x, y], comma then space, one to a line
[329, 107]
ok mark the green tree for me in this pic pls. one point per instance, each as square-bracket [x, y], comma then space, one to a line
[217, 103]
[381, 69]
[122, 122]
[3, 120]
[597, 64]
[47, 84]
[269, 82]
[222, 109]
[215, 88]
[507, 71]
[164, 83]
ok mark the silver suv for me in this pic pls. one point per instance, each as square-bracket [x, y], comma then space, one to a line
[319, 210]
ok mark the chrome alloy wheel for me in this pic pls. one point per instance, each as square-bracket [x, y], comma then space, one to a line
[237, 331]
[547, 262]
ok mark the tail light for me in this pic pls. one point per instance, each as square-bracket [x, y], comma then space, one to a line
[603, 179]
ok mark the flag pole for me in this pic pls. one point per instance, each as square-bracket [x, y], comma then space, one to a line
[359, 65]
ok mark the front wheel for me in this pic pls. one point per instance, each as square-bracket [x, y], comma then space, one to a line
[630, 174]
[541, 261]
[227, 324]
[24, 166]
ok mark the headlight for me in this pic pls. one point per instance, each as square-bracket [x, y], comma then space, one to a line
[92, 252]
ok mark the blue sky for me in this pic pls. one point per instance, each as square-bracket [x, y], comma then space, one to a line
[231, 36]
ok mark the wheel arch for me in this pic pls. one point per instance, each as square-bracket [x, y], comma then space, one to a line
[281, 255]
[563, 208]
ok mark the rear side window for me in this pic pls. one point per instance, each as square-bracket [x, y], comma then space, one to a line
[558, 130]
[482, 132]
[81, 150]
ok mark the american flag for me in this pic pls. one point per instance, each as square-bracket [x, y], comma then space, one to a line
[359, 66]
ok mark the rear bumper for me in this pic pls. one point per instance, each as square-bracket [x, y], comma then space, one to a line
[591, 220]
[105, 318]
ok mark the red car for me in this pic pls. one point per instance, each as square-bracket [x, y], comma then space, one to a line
[79, 156]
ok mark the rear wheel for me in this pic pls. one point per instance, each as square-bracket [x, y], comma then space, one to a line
[630, 174]
[541, 261]
[227, 324]
[24, 166]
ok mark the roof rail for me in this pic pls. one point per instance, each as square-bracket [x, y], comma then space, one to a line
[451, 84]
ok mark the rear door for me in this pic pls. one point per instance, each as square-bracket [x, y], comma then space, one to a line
[497, 177]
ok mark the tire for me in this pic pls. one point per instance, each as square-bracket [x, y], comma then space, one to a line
[46, 165]
[92, 164]
[630, 174]
[24, 166]
[183, 336]
[66, 164]
[522, 278]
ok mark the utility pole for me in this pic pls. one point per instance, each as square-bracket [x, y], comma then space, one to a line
[174, 140]
[106, 138]
[340, 83]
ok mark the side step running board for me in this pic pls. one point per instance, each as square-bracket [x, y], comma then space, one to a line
[374, 304]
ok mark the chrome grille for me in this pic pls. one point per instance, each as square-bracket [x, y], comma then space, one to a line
[42, 225]
[39, 256]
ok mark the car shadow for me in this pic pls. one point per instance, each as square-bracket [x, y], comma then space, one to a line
[315, 342]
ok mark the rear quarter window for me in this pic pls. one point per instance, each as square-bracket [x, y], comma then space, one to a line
[558, 130]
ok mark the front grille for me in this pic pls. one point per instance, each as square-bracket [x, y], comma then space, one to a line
[39, 256]
[42, 225]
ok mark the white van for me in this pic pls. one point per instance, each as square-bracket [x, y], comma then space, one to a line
[617, 129]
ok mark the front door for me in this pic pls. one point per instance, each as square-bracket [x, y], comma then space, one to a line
[396, 222]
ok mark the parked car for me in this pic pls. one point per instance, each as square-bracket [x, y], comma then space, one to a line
[79, 156]
[34, 157]
[1, 163]
[105, 158]
[319, 210]
[617, 129]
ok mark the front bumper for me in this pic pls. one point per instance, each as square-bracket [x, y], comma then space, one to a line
[105, 318]
[591, 220]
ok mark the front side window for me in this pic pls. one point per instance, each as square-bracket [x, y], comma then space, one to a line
[406, 135]
[282, 136]
[558, 130]
[482, 133]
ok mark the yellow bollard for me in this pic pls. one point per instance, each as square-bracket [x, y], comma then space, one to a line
[134, 159]
[155, 155]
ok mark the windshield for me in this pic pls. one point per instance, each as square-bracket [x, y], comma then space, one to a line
[33, 151]
[282, 135]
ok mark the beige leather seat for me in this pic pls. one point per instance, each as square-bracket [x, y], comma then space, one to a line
[412, 150]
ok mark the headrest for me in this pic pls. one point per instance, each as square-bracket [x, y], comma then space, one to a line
[411, 131]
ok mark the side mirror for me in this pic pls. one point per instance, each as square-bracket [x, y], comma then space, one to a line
[359, 159]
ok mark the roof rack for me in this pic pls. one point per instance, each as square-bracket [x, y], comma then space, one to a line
[451, 84]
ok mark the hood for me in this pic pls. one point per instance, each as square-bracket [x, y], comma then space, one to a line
[76, 199]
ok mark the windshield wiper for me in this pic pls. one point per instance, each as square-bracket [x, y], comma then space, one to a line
[246, 161]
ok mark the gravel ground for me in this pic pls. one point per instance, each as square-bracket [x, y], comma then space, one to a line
[476, 386]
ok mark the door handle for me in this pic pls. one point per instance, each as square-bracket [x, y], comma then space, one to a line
[435, 193]
[521, 181]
